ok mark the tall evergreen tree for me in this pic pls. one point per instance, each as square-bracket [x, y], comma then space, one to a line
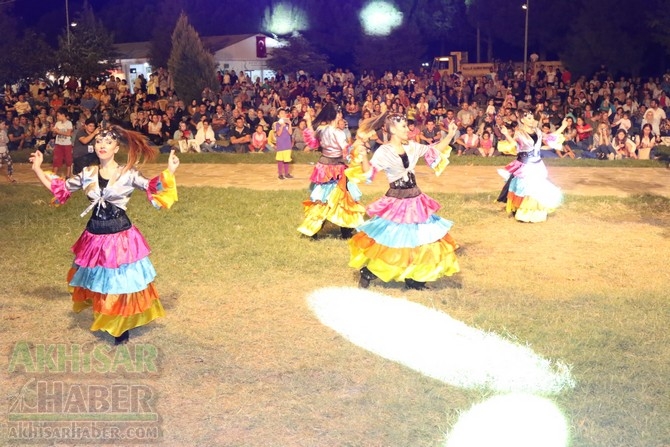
[7, 43]
[191, 65]
[613, 39]
[161, 40]
[87, 51]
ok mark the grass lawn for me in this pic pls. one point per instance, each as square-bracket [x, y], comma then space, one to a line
[311, 157]
[243, 361]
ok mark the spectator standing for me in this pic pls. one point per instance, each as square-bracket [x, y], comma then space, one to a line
[62, 130]
[283, 130]
[5, 158]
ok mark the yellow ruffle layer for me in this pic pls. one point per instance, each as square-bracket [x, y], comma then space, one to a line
[424, 263]
[341, 209]
[526, 209]
[356, 174]
[118, 324]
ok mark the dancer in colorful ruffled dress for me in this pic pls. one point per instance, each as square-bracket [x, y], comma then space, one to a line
[528, 195]
[405, 240]
[111, 270]
[333, 197]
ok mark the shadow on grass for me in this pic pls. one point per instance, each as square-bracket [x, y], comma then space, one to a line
[49, 293]
[652, 209]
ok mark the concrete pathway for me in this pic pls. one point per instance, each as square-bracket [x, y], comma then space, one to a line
[598, 181]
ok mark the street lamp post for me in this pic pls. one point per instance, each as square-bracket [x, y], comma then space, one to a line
[67, 22]
[525, 41]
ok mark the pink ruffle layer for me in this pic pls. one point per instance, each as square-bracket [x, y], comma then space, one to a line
[110, 250]
[327, 173]
[414, 210]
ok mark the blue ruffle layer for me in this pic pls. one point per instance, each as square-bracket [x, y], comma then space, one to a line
[128, 278]
[321, 192]
[406, 235]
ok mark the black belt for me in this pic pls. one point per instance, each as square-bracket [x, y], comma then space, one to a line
[404, 184]
[403, 193]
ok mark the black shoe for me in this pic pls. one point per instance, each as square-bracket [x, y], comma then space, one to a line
[288, 176]
[122, 339]
[346, 233]
[415, 285]
[366, 277]
[280, 177]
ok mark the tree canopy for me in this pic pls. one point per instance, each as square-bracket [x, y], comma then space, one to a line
[298, 54]
[628, 37]
[87, 51]
[192, 67]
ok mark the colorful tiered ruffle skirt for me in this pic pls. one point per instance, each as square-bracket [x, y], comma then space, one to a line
[332, 198]
[405, 239]
[530, 196]
[113, 274]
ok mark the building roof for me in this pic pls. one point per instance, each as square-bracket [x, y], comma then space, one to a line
[140, 50]
[133, 50]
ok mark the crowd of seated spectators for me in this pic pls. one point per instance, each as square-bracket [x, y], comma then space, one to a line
[608, 118]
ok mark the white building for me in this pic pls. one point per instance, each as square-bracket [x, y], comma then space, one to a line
[238, 52]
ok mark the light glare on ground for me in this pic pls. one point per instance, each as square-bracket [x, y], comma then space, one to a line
[436, 345]
[514, 420]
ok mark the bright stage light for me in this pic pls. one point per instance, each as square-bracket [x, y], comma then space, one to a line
[379, 18]
[514, 420]
[284, 19]
[436, 345]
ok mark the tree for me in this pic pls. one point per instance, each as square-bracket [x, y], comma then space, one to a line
[192, 67]
[658, 23]
[298, 54]
[401, 50]
[435, 18]
[343, 28]
[129, 19]
[613, 40]
[87, 51]
[237, 16]
[161, 41]
[32, 56]
[7, 43]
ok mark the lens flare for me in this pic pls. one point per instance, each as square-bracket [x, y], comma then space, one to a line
[379, 18]
[284, 19]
